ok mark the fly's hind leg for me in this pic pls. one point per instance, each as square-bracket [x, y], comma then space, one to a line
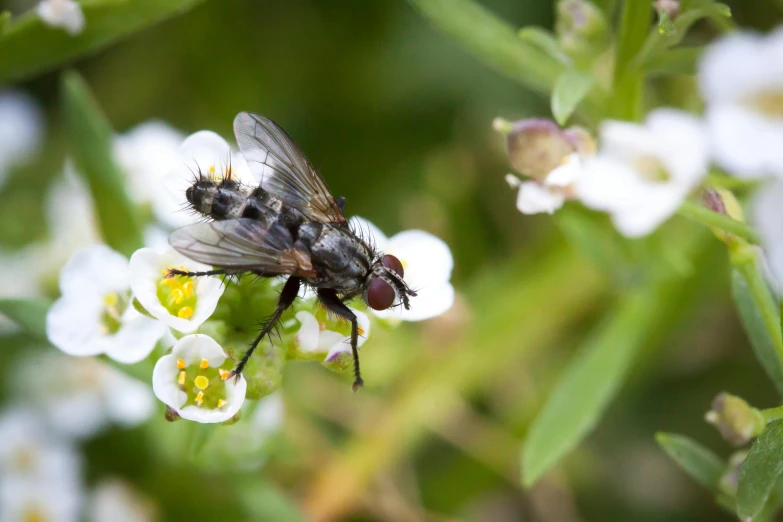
[287, 298]
[176, 272]
[332, 302]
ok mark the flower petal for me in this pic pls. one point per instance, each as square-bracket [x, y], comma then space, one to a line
[426, 258]
[430, 302]
[533, 198]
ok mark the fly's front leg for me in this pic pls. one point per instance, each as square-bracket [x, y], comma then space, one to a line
[332, 303]
[287, 298]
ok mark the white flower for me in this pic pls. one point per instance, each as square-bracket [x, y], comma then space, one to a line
[148, 154]
[427, 262]
[21, 126]
[116, 501]
[94, 314]
[62, 13]
[207, 154]
[767, 215]
[192, 382]
[28, 501]
[313, 337]
[79, 397]
[183, 303]
[741, 80]
[642, 173]
[548, 195]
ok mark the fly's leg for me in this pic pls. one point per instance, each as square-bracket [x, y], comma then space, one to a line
[332, 303]
[175, 272]
[287, 298]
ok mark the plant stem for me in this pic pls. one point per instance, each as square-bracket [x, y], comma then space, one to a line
[628, 79]
[772, 414]
[707, 217]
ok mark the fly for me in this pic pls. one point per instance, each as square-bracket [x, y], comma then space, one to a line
[289, 225]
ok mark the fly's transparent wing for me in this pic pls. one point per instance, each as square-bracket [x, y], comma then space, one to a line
[283, 170]
[244, 244]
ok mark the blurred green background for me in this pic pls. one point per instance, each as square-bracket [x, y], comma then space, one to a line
[397, 117]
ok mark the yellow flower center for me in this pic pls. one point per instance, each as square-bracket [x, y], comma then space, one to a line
[177, 293]
[33, 514]
[114, 306]
[769, 103]
[651, 168]
[204, 386]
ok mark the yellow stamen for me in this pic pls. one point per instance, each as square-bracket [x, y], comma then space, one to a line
[403, 263]
[181, 364]
[185, 312]
[170, 282]
[224, 374]
[111, 299]
[201, 382]
[181, 378]
[221, 402]
[204, 364]
[200, 398]
[360, 329]
[188, 288]
[176, 296]
[211, 169]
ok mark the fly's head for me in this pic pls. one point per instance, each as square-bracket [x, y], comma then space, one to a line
[385, 284]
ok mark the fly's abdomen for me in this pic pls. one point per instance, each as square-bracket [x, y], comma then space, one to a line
[227, 199]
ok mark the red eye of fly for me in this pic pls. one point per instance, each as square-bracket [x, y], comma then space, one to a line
[380, 295]
[392, 263]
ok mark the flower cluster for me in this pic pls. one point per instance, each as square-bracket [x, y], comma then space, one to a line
[195, 329]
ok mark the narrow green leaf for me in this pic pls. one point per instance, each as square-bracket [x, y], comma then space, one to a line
[681, 60]
[496, 44]
[765, 344]
[760, 472]
[90, 143]
[29, 47]
[544, 40]
[696, 460]
[591, 380]
[570, 89]
[28, 314]
[263, 501]
[199, 436]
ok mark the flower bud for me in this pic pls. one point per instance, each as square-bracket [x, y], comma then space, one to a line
[736, 420]
[537, 146]
[723, 202]
[581, 28]
[670, 7]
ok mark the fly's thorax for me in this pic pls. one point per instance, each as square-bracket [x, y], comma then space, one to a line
[342, 260]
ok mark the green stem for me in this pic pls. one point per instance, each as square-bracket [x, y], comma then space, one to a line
[629, 80]
[707, 217]
[772, 414]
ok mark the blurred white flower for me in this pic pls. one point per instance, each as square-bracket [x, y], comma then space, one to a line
[642, 173]
[427, 262]
[21, 127]
[79, 397]
[181, 302]
[116, 501]
[191, 380]
[203, 153]
[741, 80]
[767, 216]
[95, 315]
[313, 337]
[66, 14]
[40, 474]
[148, 153]
[22, 501]
[548, 195]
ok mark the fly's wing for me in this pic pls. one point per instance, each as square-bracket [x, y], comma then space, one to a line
[283, 170]
[242, 244]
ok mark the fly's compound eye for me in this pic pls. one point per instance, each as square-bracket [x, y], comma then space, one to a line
[380, 295]
[392, 263]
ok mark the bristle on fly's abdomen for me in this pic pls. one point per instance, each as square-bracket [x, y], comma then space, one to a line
[218, 199]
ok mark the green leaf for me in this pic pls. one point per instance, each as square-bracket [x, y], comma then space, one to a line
[200, 434]
[681, 60]
[760, 472]
[5, 17]
[545, 41]
[28, 314]
[90, 143]
[496, 43]
[766, 345]
[570, 89]
[29, 47]
[591, 380]
[696, 460]
[264, 501]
